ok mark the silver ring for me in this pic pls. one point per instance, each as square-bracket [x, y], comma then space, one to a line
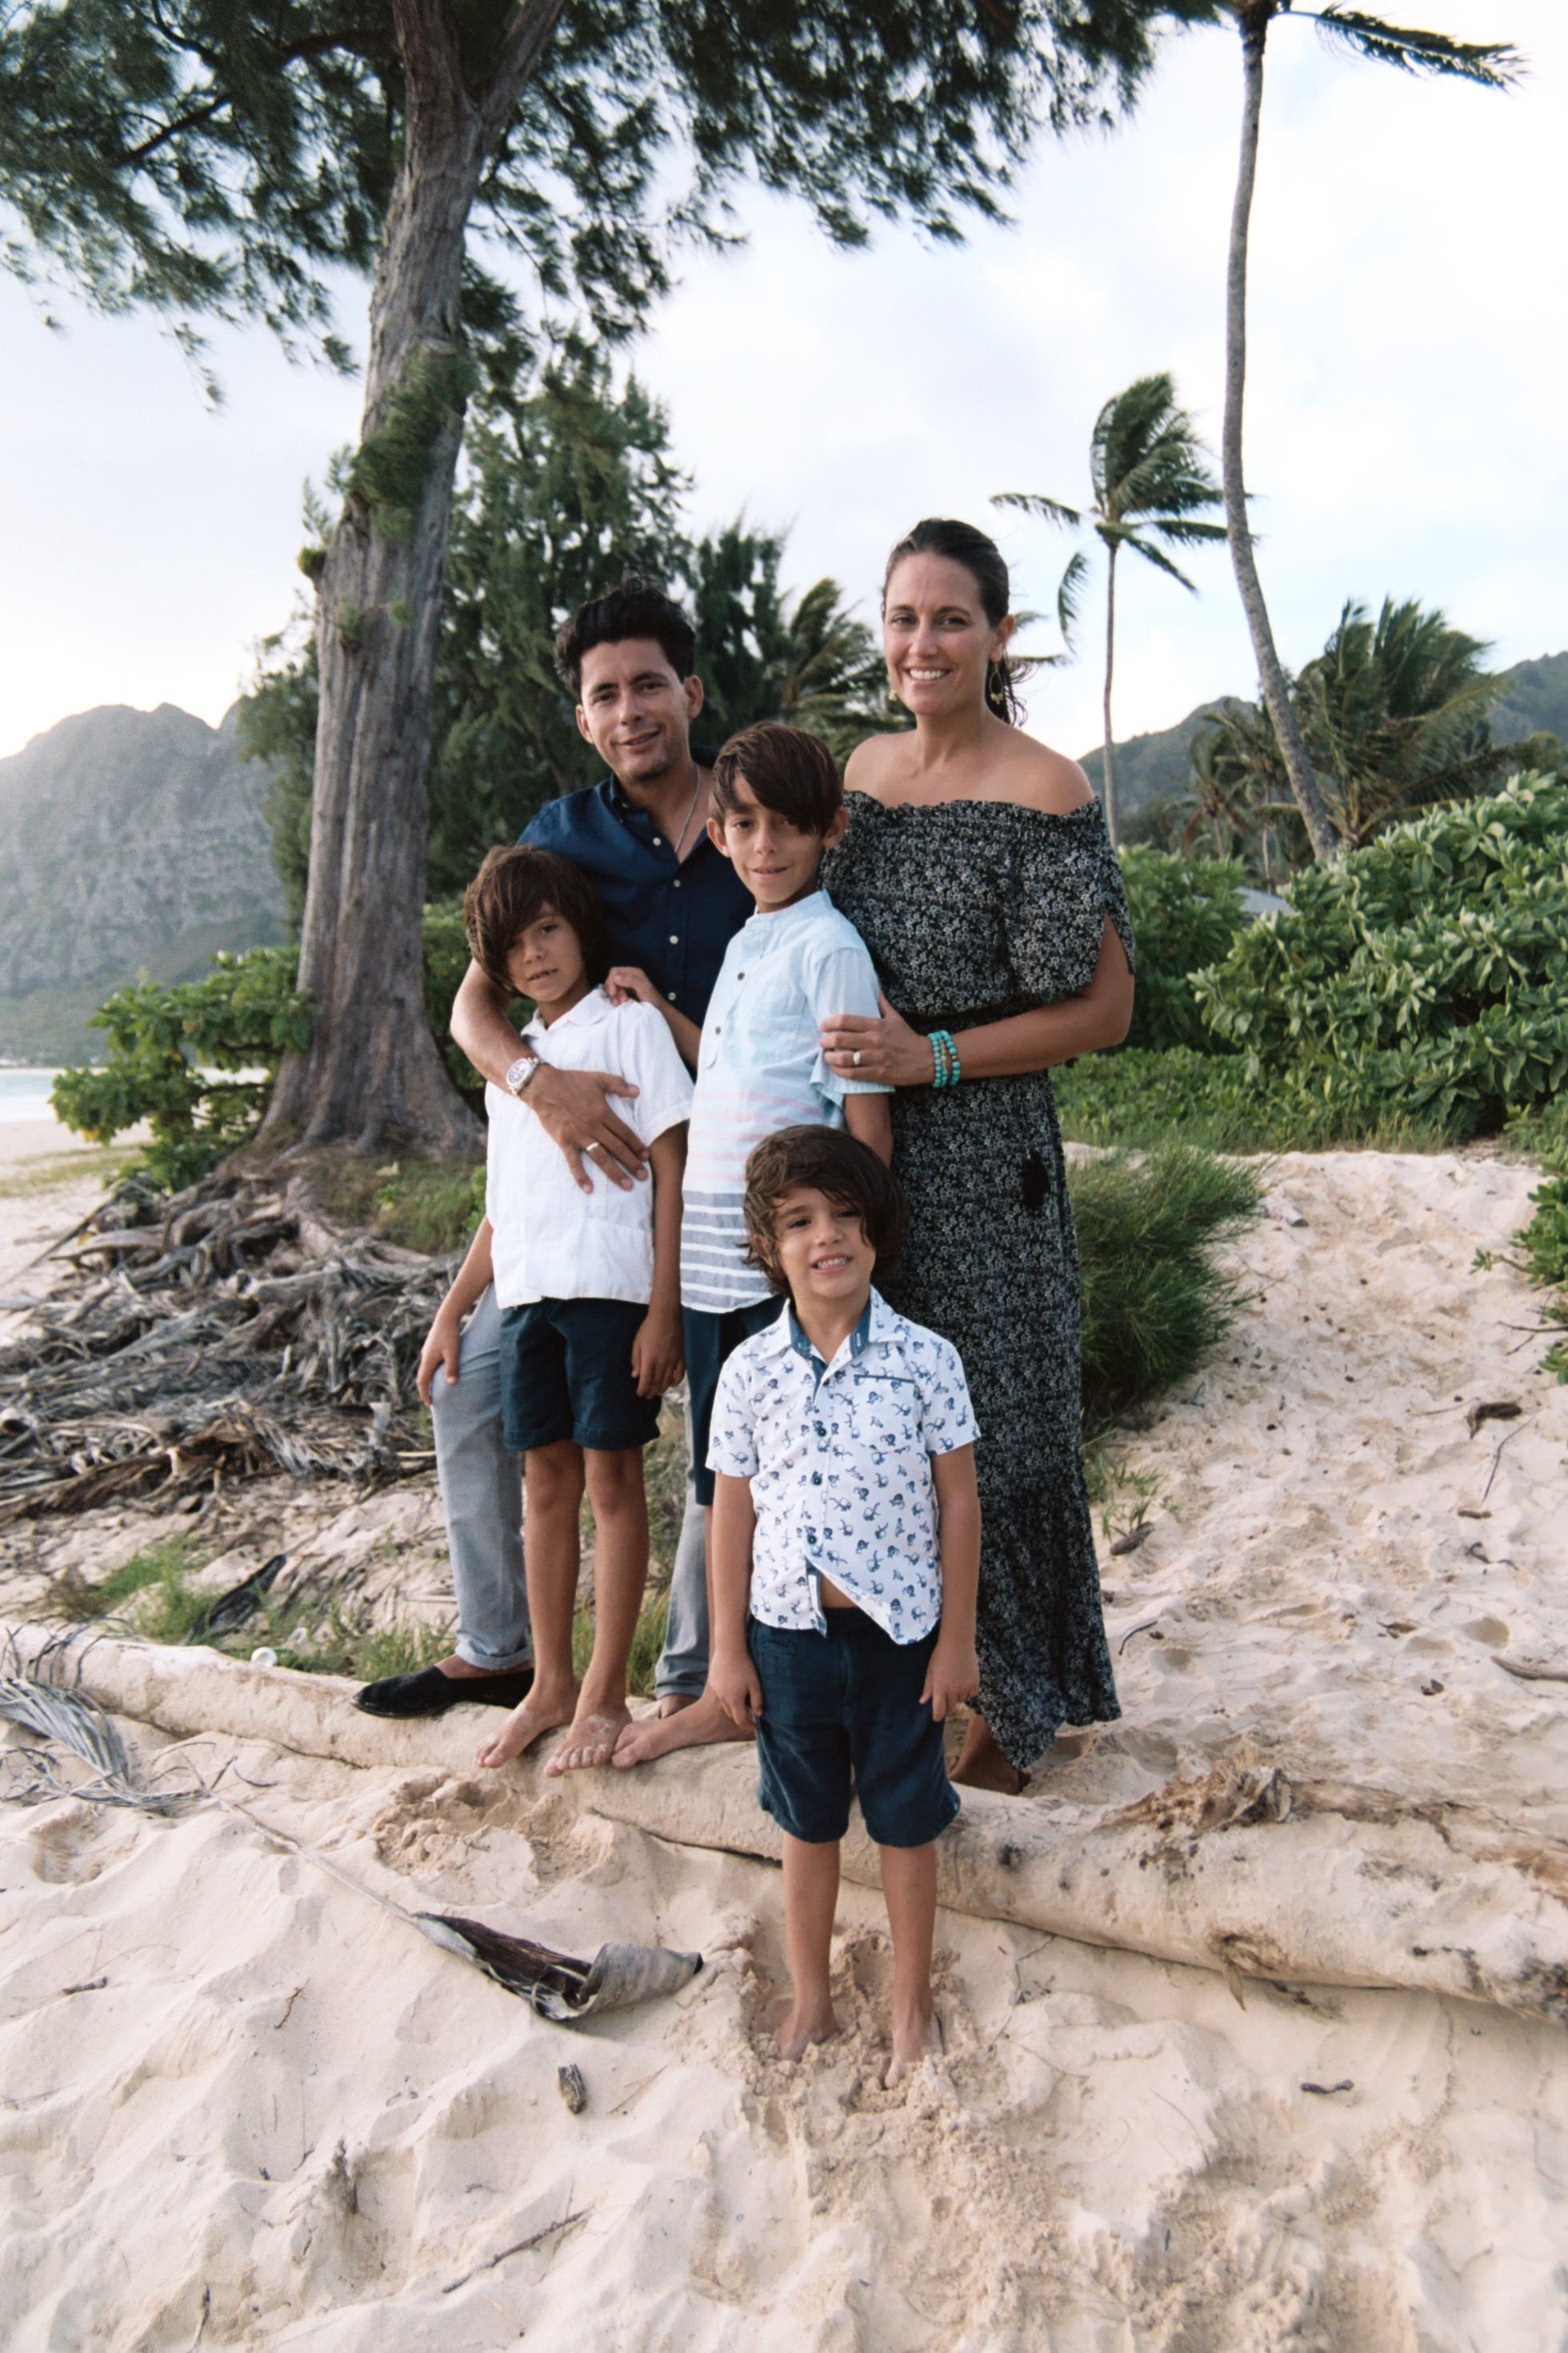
[855, 1058]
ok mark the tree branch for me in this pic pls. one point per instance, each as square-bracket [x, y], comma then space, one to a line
[526, 41]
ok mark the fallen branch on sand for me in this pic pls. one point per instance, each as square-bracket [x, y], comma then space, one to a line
[224, 1332]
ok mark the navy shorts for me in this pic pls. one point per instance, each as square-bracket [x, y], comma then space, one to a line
[566, 1371]
[846, 1705]
[709, 1339]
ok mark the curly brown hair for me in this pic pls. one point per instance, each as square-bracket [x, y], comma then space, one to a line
[833, 1162]
[512, 890]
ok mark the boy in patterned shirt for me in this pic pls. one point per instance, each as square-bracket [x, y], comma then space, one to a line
[846, 1556]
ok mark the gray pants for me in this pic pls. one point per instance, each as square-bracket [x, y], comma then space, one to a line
[481, 1500]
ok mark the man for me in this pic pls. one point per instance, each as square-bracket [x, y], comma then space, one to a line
[672, 904]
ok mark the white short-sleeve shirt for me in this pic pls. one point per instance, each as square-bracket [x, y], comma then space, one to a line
[551, 1239]
[760, 1068]
[838, 1457]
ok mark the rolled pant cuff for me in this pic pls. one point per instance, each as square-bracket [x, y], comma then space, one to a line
[473, 1657]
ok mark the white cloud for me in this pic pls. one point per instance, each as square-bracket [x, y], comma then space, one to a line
[1409, 343]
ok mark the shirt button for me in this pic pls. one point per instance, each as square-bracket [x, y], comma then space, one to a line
[677, 882]
[674, 939]
[672, 996]
[816, 1478]
[658, 842]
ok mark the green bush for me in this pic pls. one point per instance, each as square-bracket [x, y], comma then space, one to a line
[1154, 1299]
[1544, 1242]
[1140, 1100]
[1421, 977]
[196, 1059]
[1186, 913]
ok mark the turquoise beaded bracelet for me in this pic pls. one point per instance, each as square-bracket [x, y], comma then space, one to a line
[945, 1069]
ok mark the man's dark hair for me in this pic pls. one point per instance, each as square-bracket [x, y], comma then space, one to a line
[836, 1164]
[632, 608]
[790, 772]
[512, 890]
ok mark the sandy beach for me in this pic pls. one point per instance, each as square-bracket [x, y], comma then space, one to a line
[1316, 2101]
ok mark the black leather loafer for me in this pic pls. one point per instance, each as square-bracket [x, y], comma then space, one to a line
[430, 1692]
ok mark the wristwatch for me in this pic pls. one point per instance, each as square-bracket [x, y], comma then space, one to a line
[521, 1073]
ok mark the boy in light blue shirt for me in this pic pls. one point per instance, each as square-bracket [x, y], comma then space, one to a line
[778, 804]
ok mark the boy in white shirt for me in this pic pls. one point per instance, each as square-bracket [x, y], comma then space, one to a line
[777, 804]
[588, 1285]
[845, 1557]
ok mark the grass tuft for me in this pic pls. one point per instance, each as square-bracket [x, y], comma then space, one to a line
[1155, 1300]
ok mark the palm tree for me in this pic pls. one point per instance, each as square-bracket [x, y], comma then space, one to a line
[1392, 714]
[1149, 481]
[1494, 65]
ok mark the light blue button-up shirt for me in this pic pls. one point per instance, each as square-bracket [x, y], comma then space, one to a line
[838, 1457]
[760, 1068]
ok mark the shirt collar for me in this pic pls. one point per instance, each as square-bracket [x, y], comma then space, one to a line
[587, 1010]
[876, 1327]
[780, 919]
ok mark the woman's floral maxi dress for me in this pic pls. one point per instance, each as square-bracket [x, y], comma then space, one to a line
[973, 910]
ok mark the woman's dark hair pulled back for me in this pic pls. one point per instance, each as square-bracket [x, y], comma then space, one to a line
[981, 557]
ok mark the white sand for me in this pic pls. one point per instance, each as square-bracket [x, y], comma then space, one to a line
[283, 2119]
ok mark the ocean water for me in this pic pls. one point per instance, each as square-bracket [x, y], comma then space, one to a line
[25, 1094]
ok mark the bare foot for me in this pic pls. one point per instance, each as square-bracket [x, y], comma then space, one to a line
[591, 1740]
[803, 2023]
[537, 1715]
[915, 2040]
[672, 1703]
[982, 1766]
[691, 1728]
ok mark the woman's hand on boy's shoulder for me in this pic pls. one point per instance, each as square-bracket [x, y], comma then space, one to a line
[657, 1356]
[952, 1676]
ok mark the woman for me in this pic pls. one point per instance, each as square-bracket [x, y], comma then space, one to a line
[977, 870]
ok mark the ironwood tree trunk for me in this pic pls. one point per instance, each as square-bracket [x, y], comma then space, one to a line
[1254, 20]
[1110, 825]
[371, 1074]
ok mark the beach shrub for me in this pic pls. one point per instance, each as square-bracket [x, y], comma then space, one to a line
[1544, 1242]
[1155, 1299]
[1419, 977]
[196, 1059]
[1187, 914]
[1140, 1100]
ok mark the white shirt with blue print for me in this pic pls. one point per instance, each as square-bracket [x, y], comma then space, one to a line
[838, 1457]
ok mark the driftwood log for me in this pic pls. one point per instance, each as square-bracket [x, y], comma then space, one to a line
[224, 1332]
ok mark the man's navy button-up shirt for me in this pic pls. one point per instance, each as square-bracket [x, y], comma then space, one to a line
[675, 921]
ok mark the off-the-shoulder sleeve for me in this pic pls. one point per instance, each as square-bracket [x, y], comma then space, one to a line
[1066, 879]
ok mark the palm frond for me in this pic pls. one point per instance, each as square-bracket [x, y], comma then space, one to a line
[1069, 596]
[1049, 510]
[1160, 563]
[1495, 65]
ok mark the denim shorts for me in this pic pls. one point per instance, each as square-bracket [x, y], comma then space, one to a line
[846, 1706]
[709, 1339]
[566, 1371]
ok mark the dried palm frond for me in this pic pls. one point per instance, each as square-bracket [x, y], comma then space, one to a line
[70, 1726]
[220, 1335]
[561, 1988]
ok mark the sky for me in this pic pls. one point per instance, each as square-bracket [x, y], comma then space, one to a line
[1409, 352]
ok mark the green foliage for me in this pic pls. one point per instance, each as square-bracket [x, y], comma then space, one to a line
[1149, 479]
[222, 156]
[1155, 1300]
[423, 1205]
[1544, 1242]
[195, 1060]
[561, 493]
[1420, 976]
[392, 465]
[1186, 913]
[1393, 715]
